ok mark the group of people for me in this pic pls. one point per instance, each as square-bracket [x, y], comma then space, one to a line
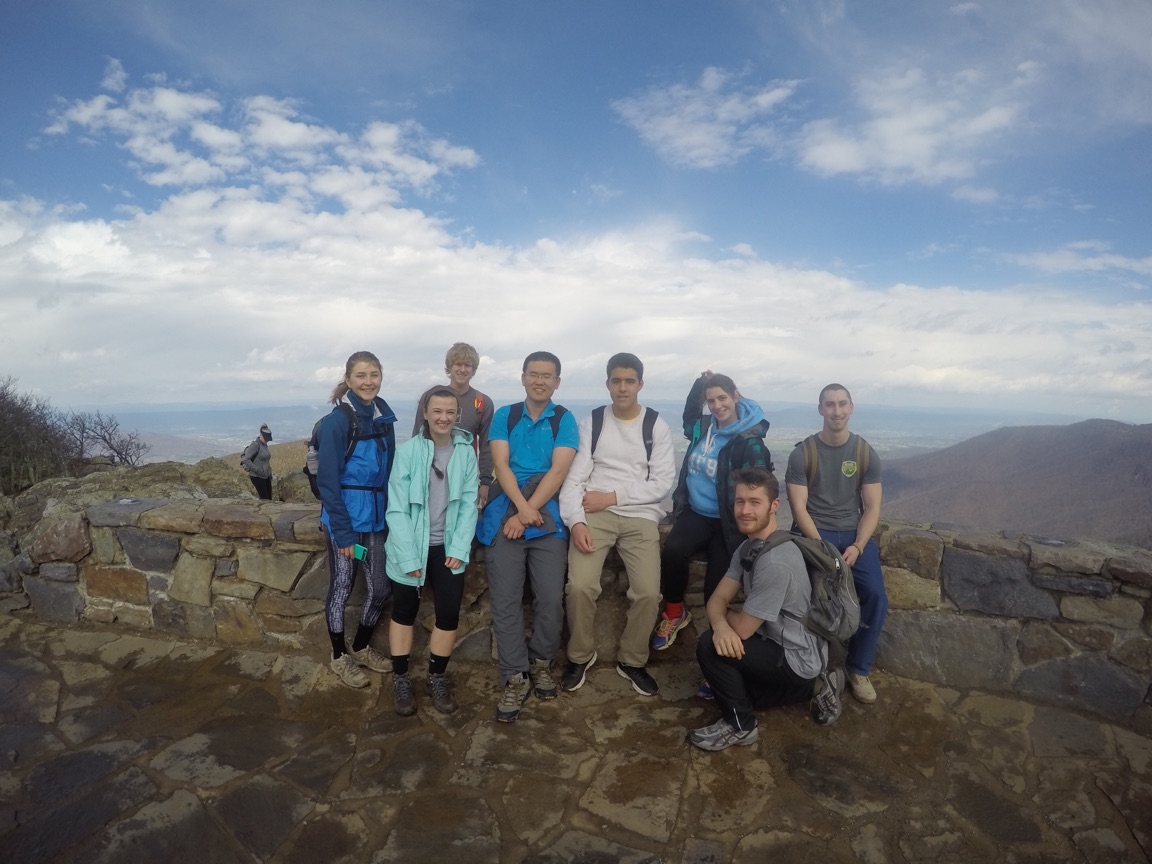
[549, 497]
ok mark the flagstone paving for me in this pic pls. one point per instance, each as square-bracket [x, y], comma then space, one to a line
[118, 749]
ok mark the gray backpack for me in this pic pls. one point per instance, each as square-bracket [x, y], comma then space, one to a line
[835, 611]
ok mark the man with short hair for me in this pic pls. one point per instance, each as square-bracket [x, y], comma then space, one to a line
[762, 655]
[533, 443]
[623, 470]
[461, 364]
[833, 482]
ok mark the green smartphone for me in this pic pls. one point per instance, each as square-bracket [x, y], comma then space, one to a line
[358, 552]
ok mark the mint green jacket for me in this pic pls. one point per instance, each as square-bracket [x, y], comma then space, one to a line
[409, 526]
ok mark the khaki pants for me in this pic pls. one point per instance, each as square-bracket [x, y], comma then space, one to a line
[638, 542]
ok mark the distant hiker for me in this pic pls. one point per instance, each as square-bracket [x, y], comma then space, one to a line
[357, 442]
[431, 525]
[257, 461]
[623, 470]
[533, 443]
[731, 438]
[833, 482]
[762, 655]
[461, 363]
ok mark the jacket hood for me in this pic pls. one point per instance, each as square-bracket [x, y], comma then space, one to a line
[749, 415]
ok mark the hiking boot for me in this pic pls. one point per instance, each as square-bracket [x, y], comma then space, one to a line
[573, 678]
[544, 683]
[861, 688]
[721, 735]
[348, 671]
[667, 628]
[370, 658]
[704, 691]
[440, 689]
[403, 699]
[826, 705]
[638, 677]
[515, 694]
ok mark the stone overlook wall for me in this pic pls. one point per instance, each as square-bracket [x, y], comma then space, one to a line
[1066, 623]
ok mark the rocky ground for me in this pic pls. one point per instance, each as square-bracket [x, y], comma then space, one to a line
[120, 748]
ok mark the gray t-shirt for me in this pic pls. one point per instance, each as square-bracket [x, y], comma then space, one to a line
[438, 494]
[778, 591]
[834, 495]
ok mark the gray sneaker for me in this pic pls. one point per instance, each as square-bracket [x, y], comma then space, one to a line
[515, 693]
[827, 704]
[370, 658]
[348, 671]
[721, 735]
[544, 683]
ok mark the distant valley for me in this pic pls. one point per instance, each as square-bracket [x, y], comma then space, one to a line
[1091, 479]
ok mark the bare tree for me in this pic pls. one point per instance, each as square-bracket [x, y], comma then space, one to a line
[38, 441]
[103, 433]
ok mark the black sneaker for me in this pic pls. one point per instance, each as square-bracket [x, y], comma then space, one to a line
[638, 676]
[573, 678]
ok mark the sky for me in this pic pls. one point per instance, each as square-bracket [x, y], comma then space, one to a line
[939, 205]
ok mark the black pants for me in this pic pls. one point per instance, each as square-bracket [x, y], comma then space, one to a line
[761, 678]
[263, 486]
[447, 594]
[692, 533]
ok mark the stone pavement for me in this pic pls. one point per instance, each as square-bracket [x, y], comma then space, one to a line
[120, 748]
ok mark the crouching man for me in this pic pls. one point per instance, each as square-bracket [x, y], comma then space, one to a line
[761, 656]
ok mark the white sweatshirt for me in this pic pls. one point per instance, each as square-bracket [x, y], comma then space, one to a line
[620, 465]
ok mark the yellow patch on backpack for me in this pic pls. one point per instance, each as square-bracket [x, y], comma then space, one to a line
[848, 468]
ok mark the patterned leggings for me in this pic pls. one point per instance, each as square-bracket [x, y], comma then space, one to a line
[343, 577]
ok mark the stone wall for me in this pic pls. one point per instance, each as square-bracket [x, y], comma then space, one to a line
[1060, 622]
[1066, 623]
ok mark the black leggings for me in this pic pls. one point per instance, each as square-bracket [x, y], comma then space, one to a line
[447, 594]
[692, 533]
[343, 577]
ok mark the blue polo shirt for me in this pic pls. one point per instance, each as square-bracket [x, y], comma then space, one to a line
[530, 446]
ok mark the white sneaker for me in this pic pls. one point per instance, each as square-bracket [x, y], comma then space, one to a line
[861, 688]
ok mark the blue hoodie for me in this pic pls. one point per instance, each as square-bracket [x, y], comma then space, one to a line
[703, 455]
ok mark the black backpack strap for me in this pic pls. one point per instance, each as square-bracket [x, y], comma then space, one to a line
[558, 411]
[597, 425]
[515, 412]
[650, 416]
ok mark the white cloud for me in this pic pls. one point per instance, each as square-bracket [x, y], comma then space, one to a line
[914, 128]
[713, 123]
[115, 78]
[258, 282]
[1087, 256]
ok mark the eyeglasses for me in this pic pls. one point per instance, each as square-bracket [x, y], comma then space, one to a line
[540, 376]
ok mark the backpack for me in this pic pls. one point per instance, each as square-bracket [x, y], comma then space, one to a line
[834, 614]
[516, 411]
[648, 425]
[312, 456]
